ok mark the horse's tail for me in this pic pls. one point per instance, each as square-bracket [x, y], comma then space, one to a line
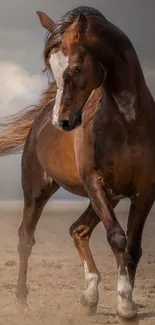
[14, 130]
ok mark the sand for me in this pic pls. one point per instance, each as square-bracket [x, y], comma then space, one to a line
[56, 277]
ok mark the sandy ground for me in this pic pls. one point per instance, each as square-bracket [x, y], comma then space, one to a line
[56, 278]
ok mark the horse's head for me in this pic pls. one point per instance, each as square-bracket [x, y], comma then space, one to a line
[77, 73]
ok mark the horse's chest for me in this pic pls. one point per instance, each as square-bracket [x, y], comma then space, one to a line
[117, 166]
[111, 149]
[126, 168]
[113, 156]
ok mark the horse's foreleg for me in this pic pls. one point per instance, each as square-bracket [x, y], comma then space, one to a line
[139, 210]
[81, 231]
[32, 211]
[117, 241]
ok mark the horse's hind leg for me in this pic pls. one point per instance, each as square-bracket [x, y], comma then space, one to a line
[139, 210]
[33, 206]
[81, 231]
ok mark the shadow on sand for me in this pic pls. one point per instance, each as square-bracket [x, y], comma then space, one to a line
[135, 321]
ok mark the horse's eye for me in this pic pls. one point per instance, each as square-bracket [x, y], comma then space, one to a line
[78, 69]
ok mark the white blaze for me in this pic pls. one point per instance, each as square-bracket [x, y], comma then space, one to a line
[58, 62]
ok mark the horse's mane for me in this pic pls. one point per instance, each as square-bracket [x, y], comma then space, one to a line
[49, 94]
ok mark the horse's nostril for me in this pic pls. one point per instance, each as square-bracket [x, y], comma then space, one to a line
[64, 123]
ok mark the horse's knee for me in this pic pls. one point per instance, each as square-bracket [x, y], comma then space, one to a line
[117, 239]
[76, 229]
[82, 230]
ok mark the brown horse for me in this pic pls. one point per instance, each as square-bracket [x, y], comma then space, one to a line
[101, 97]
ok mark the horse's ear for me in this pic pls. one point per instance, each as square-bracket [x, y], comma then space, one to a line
[82, 25]
[45, 20]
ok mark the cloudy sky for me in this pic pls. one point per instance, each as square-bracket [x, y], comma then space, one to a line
[21, 61]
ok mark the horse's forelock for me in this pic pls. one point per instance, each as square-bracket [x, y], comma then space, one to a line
[54, 37]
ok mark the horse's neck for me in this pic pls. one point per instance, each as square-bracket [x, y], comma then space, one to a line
[126, 88]
[92, 104]
[126, 84]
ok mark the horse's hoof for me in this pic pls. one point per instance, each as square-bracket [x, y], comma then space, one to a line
[89, 311]
[122, 321]
[21, 293]
[126, 309]
[89, 307]
[24, 308]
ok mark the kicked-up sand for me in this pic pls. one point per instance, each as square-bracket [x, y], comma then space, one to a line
[56, 277]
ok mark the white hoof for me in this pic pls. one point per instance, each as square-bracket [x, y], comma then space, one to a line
[90, 296]
[126, 308]
[89, 301]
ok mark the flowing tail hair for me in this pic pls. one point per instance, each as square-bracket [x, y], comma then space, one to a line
[14, 130]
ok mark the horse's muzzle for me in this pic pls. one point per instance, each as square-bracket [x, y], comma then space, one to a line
[64, 123]
[67, 125]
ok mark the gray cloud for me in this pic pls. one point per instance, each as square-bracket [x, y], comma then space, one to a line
[21, 32]
[18, 87]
